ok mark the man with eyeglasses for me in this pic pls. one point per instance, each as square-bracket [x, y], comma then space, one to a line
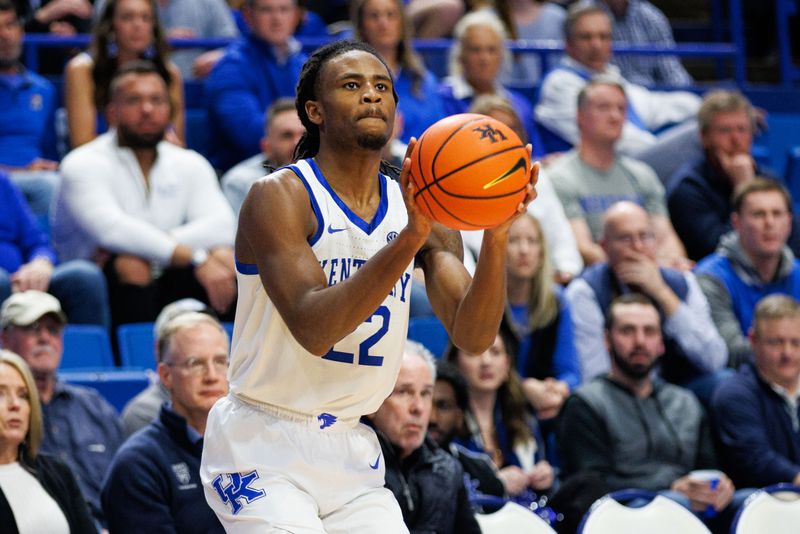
[79, 425]
[695, 352]
[154, 483]
[593, 176]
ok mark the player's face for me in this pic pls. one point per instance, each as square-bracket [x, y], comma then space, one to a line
[590, 42]
[40, 344]
[381, 23]
[634, 340]
[141, 110]
[763, 224]
[481, 56]
[524, 249]
[486, 372]
[446, 416]
[273, 21]
[629, 236]
[356, 105]
[195, 369]
[602, 115]
[404, 415]
[730, 132]
[776, 346]
[10, 39]
[15, 408]
[284, 132]
[133, 25]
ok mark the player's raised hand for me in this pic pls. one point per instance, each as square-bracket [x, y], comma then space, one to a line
[530, 196]
[417, 221]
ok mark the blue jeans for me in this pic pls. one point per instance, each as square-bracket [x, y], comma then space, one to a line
[80, 287]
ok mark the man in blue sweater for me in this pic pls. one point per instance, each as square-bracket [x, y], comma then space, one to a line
[153, 483]
[257, 69]
[755, 414]
[750, 263]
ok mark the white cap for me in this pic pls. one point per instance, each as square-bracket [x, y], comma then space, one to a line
[27, 307]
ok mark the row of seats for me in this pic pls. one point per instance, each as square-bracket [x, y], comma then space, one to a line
[773, 510]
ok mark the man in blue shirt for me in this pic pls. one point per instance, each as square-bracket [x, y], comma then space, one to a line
[255, 70]
[154, 481]
[27, 110]
[80, 427]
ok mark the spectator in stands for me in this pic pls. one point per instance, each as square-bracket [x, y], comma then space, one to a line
[434, 18]
[80, 427]
[450, 404]
[282, 131]
[127, 31]
[547, 208]
[700, 193]
[498, 423]
[427, 482]
[588, 53]
[144, 407]
[639, 22]
[593, 176]
[476, 59]
[750, 263]
[694, 351]
[254, 71]
[28, 261]
[193, 19]
[384, 25]
[38, 492]
[150, 211]
[27, 127]
[539, 320]
[154, 481]
[528, 20]
[755, 413]
[636, 431]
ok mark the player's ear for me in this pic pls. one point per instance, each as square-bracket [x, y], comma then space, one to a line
[314, 111]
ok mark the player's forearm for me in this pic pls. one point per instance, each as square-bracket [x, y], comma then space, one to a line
[480, 311]
[324, 316]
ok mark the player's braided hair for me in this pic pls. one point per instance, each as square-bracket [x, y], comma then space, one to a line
[308, 87]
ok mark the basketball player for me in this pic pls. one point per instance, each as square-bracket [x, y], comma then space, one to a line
[324, 250]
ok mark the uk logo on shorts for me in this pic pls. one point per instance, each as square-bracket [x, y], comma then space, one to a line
[238, 489]
[326, 420]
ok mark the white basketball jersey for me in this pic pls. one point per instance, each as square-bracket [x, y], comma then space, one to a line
[269, 366]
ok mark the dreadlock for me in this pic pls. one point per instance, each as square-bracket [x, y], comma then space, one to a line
[308, 87]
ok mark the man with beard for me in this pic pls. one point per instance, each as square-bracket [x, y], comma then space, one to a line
[80, 427]
[636, 431]
[150, 212]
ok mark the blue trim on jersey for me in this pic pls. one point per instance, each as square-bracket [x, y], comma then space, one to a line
[246, 268]
[317, 213]
[355, 219]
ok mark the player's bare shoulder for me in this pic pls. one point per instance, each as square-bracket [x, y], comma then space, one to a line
[276, 204]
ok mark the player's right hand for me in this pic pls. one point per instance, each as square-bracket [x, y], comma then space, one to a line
[418, 224]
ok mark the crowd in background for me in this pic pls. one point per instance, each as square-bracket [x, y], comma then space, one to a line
[652, 326]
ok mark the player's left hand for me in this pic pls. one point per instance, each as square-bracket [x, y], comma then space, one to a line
[530, 196]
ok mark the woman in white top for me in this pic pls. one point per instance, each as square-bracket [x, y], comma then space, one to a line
[38, 493]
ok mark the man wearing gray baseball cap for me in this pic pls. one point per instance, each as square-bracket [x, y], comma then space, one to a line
[79, 425]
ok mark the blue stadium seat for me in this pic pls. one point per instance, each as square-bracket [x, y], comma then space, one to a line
[197, 130]
[431, 333]
[229, 329]
[117, 386]
[86, 346]
[136, 348]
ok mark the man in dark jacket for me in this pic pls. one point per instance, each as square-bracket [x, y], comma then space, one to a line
[756, 413]
[153, 483]
[427, 482]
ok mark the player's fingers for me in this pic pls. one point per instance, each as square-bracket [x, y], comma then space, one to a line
[411, 143]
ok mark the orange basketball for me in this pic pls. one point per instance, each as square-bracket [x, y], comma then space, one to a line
[470, 171]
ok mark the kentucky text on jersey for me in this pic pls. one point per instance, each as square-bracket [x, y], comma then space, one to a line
[340, 269]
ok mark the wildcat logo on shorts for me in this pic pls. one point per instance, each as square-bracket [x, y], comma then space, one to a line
[326, 419]
[238, 488]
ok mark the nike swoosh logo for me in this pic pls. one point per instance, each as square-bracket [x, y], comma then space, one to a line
[332, 230]
[377, 462]
[520, 164]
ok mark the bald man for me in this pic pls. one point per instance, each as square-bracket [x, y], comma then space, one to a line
[694, 349]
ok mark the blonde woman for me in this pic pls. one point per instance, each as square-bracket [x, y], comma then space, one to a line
[38, 493]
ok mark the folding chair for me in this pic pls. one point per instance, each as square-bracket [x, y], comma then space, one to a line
[659, 516]
[775, 509]
[512, 518]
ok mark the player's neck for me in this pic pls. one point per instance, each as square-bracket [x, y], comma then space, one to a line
[352, 177]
